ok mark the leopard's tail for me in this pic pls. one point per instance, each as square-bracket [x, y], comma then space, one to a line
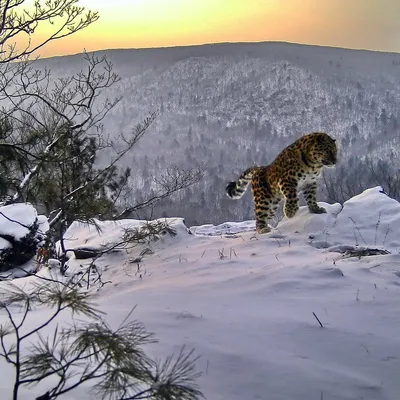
[235, 190]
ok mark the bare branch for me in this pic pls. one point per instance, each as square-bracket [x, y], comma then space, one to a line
[65, 16]
[174, 180]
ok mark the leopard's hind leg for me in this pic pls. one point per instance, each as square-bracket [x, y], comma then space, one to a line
[266, 204]
[264, 213]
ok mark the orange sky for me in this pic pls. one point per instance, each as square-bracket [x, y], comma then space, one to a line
[368, 24]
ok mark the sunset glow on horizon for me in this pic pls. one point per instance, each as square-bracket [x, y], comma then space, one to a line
[359, 24]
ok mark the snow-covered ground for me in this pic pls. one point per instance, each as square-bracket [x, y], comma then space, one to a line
[245, 302]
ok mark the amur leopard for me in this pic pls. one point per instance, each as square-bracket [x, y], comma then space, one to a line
[296, 169]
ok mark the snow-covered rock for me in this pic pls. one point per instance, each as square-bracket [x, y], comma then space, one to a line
[370, 219]
[101, 235]
[21, 232]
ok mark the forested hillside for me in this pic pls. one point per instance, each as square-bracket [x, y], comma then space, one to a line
[229, 106]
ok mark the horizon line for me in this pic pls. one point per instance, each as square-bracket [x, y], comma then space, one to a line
[223, 43]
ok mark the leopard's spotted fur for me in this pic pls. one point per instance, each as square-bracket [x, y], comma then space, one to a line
[296, 169]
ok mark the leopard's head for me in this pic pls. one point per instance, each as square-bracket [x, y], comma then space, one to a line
[323, 149]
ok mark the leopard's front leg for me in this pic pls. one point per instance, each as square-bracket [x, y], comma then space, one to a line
[289, 191]
[310, 195]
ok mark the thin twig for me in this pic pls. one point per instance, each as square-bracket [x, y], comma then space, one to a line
[320, 323]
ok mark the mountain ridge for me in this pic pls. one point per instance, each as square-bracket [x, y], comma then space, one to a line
[233, 105]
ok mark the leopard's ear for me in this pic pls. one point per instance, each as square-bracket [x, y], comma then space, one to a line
[320, 139]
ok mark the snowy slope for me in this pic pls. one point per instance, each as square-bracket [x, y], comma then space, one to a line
[245, 302]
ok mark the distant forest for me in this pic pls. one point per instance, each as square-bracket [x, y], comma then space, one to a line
[230, 106]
